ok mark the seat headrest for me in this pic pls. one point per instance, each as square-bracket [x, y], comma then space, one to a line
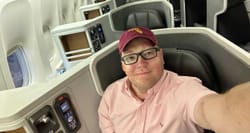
[189, 63]
[148, 18]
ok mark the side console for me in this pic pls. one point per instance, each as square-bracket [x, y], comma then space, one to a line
[78, 41]
[63, 120]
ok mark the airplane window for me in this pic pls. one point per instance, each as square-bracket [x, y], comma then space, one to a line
[18, 67]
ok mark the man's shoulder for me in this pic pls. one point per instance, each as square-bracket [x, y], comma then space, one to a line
[175, 79]
[116, 85]
[182, 78]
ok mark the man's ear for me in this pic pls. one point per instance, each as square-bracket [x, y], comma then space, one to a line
[161, 55]
[122, 65]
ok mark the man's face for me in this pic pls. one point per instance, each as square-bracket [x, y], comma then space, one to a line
[144, 73]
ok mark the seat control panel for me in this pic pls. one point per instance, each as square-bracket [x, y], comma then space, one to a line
[97, 37]
[67, 113]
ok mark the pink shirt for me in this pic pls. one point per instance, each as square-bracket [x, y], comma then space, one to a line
[168, 108]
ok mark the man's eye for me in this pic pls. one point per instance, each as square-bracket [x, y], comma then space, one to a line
[130, 58]
[148, 53]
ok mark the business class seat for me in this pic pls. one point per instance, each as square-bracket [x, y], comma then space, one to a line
[152, 14]
[225, 65]
[181, 61]
[150, 19]
[175, 4]
[227, 17]
[234, 24]
[198, 52]
[193, 13]
[177, 12]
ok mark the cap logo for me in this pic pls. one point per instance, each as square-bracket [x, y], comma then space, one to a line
[138, 30]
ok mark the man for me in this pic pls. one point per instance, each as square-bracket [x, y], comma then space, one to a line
[153, 100]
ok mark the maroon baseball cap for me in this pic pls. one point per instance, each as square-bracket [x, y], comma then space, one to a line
[137, 32]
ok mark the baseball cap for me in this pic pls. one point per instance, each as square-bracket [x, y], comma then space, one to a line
[137, 32]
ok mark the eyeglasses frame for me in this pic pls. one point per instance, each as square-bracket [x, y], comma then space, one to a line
[140, 54]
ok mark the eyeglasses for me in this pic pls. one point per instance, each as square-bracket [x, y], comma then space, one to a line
[146, 54]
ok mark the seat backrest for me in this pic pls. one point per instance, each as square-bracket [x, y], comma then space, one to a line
[151, 14]
[183, 62]
[189, 63]
[195, 12]
[120, 2]
[234, 23]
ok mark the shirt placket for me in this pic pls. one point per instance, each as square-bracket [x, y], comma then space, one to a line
[140, 119]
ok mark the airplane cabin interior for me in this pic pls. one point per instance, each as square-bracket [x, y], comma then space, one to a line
[57, 57]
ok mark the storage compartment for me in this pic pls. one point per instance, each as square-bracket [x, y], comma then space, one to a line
[92, 14]
[76, 46]
[19, 130]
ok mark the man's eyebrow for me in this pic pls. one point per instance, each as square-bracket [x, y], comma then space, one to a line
[129, 51]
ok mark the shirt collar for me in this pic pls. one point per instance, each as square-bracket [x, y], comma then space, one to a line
[126, 89]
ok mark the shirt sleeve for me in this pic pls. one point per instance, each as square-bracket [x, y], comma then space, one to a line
[195, 91]
[104, 119]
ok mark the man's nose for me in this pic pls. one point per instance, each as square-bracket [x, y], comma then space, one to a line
[141, 60]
